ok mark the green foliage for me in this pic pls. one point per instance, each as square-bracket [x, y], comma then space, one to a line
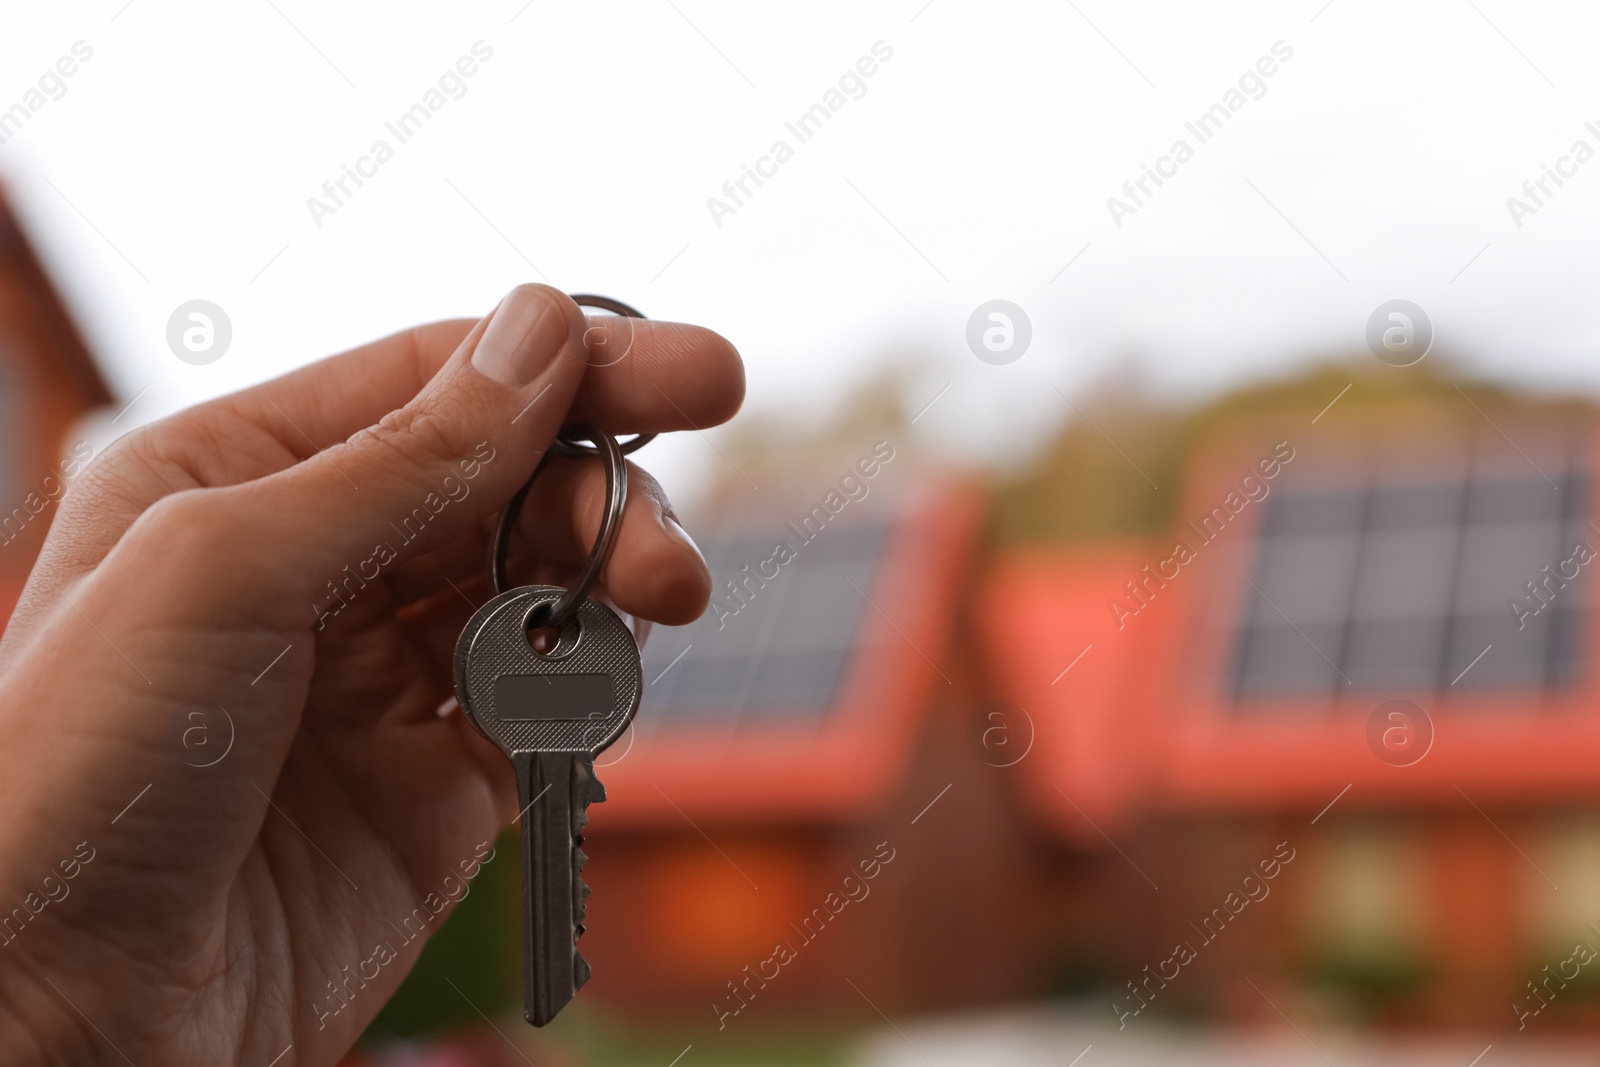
[600, 1040]
[1372, 981]
[1085, 486]
[1539, 967]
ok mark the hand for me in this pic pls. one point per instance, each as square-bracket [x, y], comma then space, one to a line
[297, 560]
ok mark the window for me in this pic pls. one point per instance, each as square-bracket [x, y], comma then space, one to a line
[1367, 913]
[780, 648]
[1398, 581]
[1565, 853]
[1365, 901]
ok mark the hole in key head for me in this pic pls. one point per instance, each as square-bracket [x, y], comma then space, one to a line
[549, 641]
[544, 639]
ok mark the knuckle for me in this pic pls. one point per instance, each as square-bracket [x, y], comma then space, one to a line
[190, 528]
[153, 457]
[418, 436]
[120, 461]
[201, 552]
[645, 485]
[176, 515]
[109, 481]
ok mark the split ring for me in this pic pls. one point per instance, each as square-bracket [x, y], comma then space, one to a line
[563, 445]
[611, 453]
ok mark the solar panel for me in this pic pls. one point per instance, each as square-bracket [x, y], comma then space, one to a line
[778, 647]
[1411, 581]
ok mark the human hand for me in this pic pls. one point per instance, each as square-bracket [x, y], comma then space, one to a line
[298, 558]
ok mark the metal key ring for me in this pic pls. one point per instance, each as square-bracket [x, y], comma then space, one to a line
[610, 520]
[562, 445]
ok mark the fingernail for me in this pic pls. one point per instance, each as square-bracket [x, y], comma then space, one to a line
[524, 335]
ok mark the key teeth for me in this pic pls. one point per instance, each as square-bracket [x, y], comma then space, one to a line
[581, 903]
[591, 789]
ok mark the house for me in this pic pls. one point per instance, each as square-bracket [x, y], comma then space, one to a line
[795, 823]
[1310, 727]
[47, 382]
[1330, 727]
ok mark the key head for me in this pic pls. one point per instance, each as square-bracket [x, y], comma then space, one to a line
[578, 696]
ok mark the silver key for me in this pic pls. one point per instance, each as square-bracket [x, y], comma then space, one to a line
[552, 713]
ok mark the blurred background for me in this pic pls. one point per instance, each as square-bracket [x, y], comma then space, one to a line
[1154, 617]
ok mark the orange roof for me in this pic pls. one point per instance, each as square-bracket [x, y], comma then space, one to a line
[832, 762]
[1055, 651]
[1145, 720]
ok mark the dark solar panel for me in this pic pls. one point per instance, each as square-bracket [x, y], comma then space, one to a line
[1401, 584]
[777, 650]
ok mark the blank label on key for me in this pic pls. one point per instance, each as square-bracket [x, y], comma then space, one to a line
[553, 696]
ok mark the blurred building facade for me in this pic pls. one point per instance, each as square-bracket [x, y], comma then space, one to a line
[1317, 728]
[1341, 713]
[773, 810]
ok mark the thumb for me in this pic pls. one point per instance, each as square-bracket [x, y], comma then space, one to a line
[431, 471]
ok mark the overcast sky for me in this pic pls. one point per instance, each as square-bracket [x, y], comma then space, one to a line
[974, 163]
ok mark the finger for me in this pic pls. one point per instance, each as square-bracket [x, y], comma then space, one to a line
[651, 377]
[267, 428]
[390, 492]
[654, 570]
[670, 377]
[661, 376]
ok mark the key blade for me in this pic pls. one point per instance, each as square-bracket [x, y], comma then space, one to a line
[547, 782]
[556, 789]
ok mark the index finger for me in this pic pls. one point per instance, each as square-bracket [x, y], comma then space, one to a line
[670, 376]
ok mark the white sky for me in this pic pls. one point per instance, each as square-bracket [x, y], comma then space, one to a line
[591, 140]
